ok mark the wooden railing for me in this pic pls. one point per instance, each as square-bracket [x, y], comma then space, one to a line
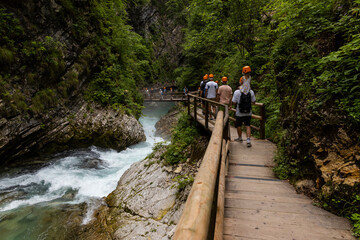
[203, 215]
[195, 101]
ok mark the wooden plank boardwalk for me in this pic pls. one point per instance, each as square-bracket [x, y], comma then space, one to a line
[258, 206]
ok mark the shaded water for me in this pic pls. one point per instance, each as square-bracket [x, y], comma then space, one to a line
[46, 203]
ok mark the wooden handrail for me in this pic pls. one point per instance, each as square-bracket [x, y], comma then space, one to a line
[260, 117]
[195, 219]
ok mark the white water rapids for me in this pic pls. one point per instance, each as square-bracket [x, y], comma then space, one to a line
[73, 177]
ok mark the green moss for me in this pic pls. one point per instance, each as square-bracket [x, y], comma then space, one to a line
[43, 100]
[6, 56]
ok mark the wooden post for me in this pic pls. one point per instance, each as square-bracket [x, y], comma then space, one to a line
[195, 219]
[262, 122]
[188, 100]
[195, 108]
[206, 114]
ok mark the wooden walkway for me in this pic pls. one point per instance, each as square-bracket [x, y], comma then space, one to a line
[259, 206]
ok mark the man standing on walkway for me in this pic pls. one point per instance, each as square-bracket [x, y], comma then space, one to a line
[242, 99]
[224, 93]
[211, 89]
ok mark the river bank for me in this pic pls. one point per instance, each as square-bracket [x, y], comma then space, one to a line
[150, 196]
[53, 200]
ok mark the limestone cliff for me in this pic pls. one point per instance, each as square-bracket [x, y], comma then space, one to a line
[54, 54]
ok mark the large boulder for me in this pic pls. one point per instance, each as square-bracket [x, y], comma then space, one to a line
[83, 126]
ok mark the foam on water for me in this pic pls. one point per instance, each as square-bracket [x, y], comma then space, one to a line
[67, 173]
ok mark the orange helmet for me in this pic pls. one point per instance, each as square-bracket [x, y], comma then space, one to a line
[246, 69]
[211, 75]
[224, 79]
[205, 77]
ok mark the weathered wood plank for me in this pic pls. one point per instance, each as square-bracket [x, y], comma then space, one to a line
[270, 230]
[331, 221]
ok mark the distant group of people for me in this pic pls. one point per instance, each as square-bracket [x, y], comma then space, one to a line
[241, 100]
[162, 91]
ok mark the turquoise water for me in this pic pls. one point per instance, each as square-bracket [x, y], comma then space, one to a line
[45, 203]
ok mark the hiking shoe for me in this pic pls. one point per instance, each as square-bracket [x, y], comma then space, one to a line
[248, 144]
[238, 139]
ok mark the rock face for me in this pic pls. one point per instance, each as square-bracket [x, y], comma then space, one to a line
[148, 200]
[338, 160]
[146, 204]
[324, 151]
[83, 126]
[166, 123]
[153, 21]
[52, 56]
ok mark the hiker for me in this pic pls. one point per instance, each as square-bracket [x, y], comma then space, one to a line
[185, 91]
[147, 92]
[242, 102]
[202, 90]
[245, 79]
[161, 93]
[224, 94]
[211, 89]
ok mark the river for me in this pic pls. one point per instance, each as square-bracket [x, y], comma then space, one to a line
[46, 202]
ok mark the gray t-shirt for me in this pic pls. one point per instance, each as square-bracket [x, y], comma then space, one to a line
[236, 99]
[211, 89]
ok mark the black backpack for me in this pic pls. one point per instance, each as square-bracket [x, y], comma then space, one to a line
[202, 88]
[245, 102]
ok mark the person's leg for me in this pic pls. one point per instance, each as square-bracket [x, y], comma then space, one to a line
[239, 131]
[238, 125]
[248, 131]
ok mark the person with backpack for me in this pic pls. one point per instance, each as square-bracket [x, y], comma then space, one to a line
[242, 99]
[202, 90]
[245, 79]
[211, 89]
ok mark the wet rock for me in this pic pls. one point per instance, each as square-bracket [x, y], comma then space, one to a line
[166, 123]
[306, 186]
[94, 163]
[178, 169]
[86, 125]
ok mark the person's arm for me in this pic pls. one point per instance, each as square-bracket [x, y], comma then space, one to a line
[230, 102]
[233, 101]
[217, 95]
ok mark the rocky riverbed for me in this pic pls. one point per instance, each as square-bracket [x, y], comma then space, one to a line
[149, 198]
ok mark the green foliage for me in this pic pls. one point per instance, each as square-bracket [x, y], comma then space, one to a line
[183, 181]
[286, 167]
[183, 136]
[355, 218]
[43, 100]
[10, 30]
[344, 201]
[111, 87]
